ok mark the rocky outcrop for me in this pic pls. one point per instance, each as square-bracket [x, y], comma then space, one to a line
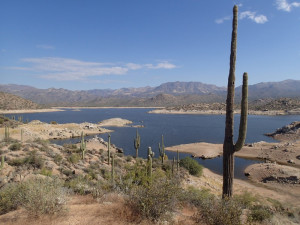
[288, 132]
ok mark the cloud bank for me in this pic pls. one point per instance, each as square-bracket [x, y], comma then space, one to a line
[285, 6]
[261, 19]
[71, 69]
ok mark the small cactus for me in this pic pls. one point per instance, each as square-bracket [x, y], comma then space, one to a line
[82, 146]
[137, 143]
[108, 149]
[2, 162]
[173, 165]
[161, 149]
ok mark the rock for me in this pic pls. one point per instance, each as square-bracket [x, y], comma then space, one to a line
[291, 161]
[120, 150]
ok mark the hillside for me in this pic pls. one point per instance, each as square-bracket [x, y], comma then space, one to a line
[11, 102]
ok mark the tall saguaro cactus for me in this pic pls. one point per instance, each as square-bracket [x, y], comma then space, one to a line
[108, 150]
[137, 143]
[150, 156]
[82, 146]
[229, 148]
[161, 148]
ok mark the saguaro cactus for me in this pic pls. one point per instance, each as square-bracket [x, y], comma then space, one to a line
[113, 170]
[82, 146]
[6, 134]
[161, 149]
[178, 160]
[22, 131]
[150, 156]
[229, 148]
[108, 149]
[137, 143]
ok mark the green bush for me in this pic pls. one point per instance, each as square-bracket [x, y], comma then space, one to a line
[154, 201]
[259, 213]
[192, 166]
[53, 122]
[15, 147]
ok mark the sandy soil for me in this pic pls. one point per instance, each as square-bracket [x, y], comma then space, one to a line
[30, 111]
[223, 112]
[114, 122]
[200, 150]
[37, 129]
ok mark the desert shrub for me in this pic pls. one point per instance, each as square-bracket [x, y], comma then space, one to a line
[259, 213]
[15, 147]
[35, 160]
[67, 172]
[192, 166]
[17, 162]
[57, 158]
[41, 142]
[246, 199]
[79, 185]
[128, 158]
[46, 172]
[37, 196]
[53, 122]
[9, 198]
[74, 158]
[220, 211]
[154, 201]
[195, 196]
[43, 196]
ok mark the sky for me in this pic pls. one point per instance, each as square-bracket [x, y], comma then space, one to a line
[100, 44]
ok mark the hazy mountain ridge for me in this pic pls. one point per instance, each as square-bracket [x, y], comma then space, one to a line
[11, 102]
[166, 94]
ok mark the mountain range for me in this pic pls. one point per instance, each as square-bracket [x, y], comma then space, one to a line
[166, 94]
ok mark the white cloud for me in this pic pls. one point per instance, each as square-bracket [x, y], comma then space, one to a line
[285, 6]
[162, 65]
[72, 69]
[219, 21]
[252, 16]
[46, 47]
[133, 66]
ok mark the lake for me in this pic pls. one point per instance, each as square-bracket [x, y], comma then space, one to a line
[177, 129]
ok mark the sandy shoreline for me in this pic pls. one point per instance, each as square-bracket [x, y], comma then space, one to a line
[19, 111]
[223, 112]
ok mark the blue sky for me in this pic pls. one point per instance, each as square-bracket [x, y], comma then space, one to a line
[88, 44]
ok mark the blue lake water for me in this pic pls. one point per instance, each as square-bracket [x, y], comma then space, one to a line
[177, 129]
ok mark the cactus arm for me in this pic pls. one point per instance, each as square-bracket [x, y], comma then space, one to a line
[243, 119]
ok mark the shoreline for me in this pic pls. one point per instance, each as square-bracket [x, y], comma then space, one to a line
[223, 112]
[284, 153]
[21, 111]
